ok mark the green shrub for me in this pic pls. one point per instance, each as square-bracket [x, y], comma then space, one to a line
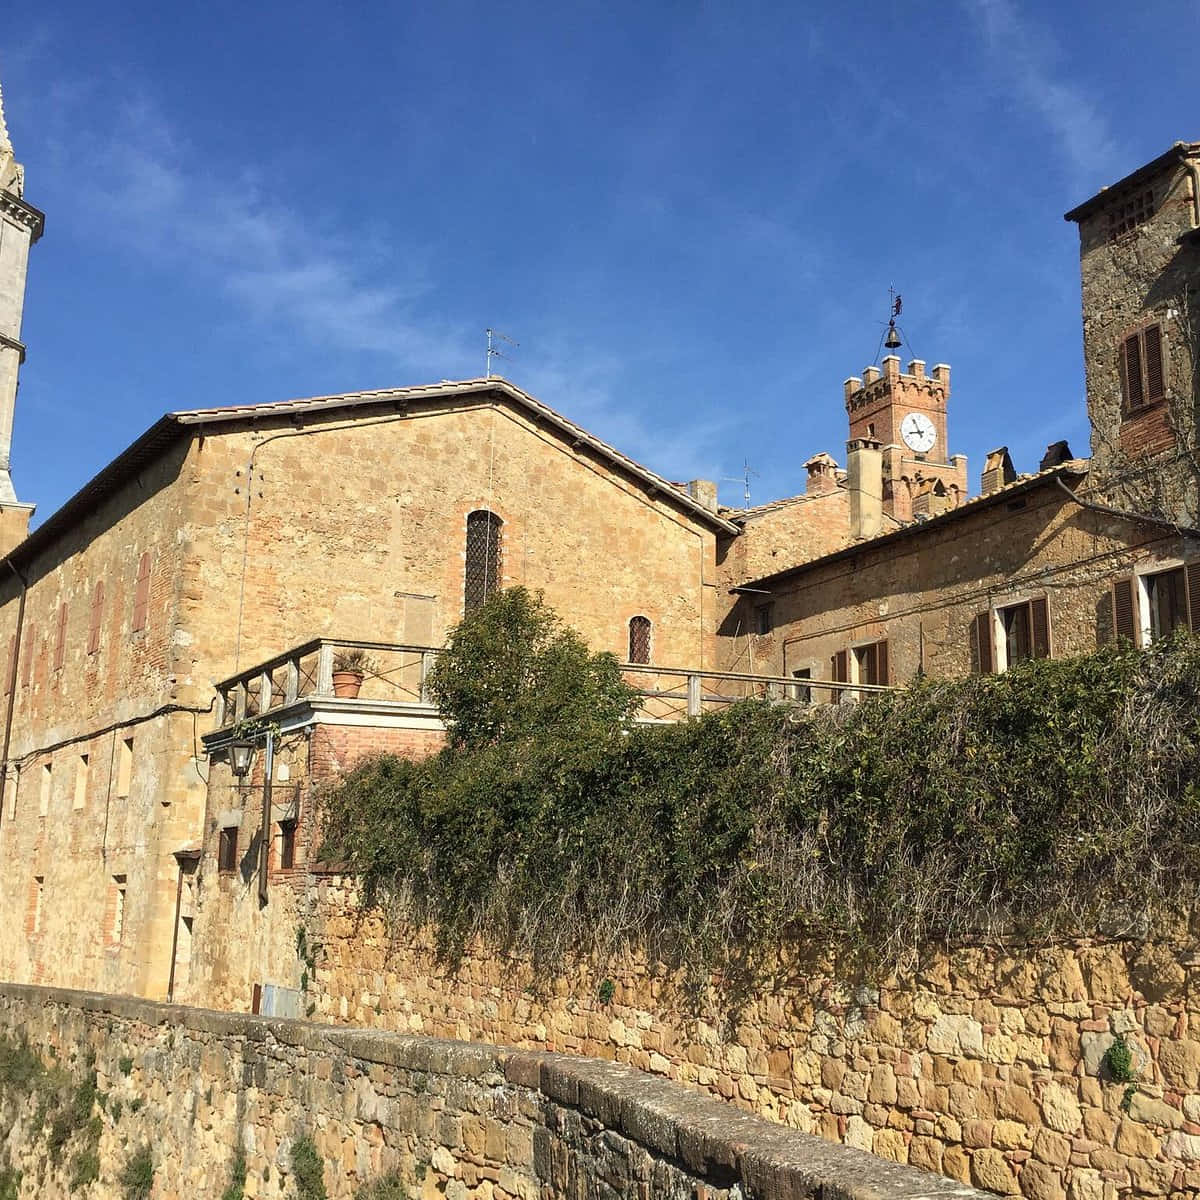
[1118, 1061]
[138, 1176]
[237, 1177]
[308, 1169]
[387, 1187]
[1059, 798]
[10, 1183]
[125, 1064]
[85, 1169]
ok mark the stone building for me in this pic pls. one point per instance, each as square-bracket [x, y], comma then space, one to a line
[215, 570]
[224, 537]
[1139, 249]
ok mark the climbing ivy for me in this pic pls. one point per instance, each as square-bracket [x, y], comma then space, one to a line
[1061, 797]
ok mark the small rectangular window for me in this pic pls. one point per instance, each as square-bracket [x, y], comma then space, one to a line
[81, 781]
[44, 789]
[287, 845]
[799, 693]
[764, 618]
[117, 931]
[227, 849]
[35, 921]
[1166, 602]
[124, 766]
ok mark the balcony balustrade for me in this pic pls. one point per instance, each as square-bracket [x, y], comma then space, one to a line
[397, 679]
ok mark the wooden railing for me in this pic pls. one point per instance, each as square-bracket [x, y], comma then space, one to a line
[399, 675]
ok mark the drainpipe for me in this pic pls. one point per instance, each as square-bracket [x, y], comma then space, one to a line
[12, 686]
[264, 847]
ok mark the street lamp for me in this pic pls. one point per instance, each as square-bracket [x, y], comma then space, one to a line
[241, 756]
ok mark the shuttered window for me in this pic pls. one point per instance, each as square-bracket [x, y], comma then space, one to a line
[981, 643]
[872, 663]
[839, 672]
[97, 617]
[1143, 376]
[1023, 634]
[482, 575]
[640, 629]
[1122, 598]
[141, 594]
[60, 641]
[1153, 606]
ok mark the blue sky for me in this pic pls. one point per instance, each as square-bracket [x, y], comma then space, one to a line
[689, 215]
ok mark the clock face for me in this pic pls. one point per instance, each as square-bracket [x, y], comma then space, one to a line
[918, 432]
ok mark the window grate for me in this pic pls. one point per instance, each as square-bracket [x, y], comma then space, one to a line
[639, 639]
[1122, 218]
[482, 576]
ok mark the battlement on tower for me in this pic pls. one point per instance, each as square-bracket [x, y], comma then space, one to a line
[888, 381]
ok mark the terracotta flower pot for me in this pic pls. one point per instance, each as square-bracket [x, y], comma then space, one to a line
[347, 683]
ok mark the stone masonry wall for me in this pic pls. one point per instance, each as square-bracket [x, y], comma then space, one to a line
[1145, 461]
[986, 1065]
[443, 1119]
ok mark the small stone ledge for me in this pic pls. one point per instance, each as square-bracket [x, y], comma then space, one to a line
[708, 1137]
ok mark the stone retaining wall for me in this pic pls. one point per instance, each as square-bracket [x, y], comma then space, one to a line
[986, 1065]
[447, 1118]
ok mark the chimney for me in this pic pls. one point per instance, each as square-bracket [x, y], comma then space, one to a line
[1056, 454]
[998, 471]
[864, 481]
[822, 475]
[703, 491]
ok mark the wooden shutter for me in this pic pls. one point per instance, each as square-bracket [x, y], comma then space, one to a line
[60, 641]
[1039, 627]
[1152, 354]
[1192, 571]
[141, 595]
[1135, 394]
[97, 617]
[1122, 598]
[838, 665]
[881, 663]
[981, 634]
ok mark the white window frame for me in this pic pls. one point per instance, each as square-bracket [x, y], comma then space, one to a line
[852, 675]
[1141, 593]
[1000, 662]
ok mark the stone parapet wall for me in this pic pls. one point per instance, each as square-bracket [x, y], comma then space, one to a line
[985, 1065]
[445, 1118]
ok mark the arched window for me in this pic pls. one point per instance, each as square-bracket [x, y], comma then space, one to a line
[639, 639]
[482, 576]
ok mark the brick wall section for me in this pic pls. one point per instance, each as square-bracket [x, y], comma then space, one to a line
[985, 1065]
[462, 1121]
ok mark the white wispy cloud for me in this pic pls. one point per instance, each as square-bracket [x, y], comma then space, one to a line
[1032, 59]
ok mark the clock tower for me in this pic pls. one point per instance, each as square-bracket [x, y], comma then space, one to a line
[905, 412]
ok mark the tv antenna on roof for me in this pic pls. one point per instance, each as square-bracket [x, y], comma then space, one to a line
[744, 479]
[494, 351]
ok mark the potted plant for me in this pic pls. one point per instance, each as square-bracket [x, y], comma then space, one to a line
[350, 665]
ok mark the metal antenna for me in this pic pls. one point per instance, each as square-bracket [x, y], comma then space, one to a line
[744, 479]
[494, 351]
